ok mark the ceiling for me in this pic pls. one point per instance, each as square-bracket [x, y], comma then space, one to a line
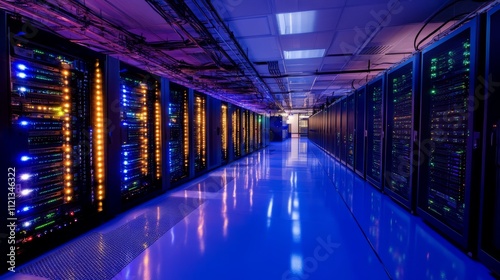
[246, 51]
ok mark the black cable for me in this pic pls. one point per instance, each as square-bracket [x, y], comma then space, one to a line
[429, 20]
[437, 29]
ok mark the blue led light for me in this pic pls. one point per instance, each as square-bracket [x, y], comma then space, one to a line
[25, 158]
[125, 171]
[125, 153]
[124, 91]
[126, 178]
[26, 208]
[25, 176]
[23, 123]
[21, 75]
[21, 67]
[125, 162]
[27, 224]
[22, 89]
[124, 123]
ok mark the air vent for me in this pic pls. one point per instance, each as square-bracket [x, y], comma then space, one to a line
[371, 50]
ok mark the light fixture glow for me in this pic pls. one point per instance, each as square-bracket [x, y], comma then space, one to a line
[296, 23]
[304, 54]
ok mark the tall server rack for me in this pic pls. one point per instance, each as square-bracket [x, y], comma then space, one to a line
[224, 132]
[489, 238]
[259, 131]
[251, 131]
[178, 144]
[52, 111]
[360, 139]
[448, 135]
[402, 113]
[343, 135]
[375, 131]
[200, 132]
[338, 129]
[244, 131]
[331, 130]
[351, 124]
[140, 133]
[333, 125]
[236, 131]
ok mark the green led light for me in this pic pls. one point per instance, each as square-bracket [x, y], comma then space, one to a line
[433, 91]
[44, 225]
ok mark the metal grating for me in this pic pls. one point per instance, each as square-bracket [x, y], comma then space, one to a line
[103, 255]
[371, 50]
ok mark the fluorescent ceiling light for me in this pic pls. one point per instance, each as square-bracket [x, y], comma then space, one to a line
[296, 23]
[304, 54]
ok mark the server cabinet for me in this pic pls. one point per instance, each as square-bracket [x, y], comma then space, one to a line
[333, 125]
[351, 124]
[343, 135]
[224, 132]
[251, 131]
[360, 139]
[259, 131]
[215, 129]
[401, 166]
[375, 131]
[266, 130]
[178, 144]
[489, 238]
[338, 129]
[244, 132]
[199, 132]
[52, 112]
[448, 135]
[140, 133]
[329, 138]
[236, 131]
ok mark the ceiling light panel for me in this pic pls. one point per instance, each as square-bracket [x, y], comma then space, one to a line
[301, 54]
[296, 23]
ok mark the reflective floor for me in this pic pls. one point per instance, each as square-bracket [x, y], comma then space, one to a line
[286, 212]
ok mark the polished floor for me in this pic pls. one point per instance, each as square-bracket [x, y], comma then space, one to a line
[286, 212]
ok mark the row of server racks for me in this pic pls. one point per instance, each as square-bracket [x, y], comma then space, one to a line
[426, 133]
[85, 136]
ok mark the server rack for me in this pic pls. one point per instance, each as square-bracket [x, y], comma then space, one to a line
[328, 128]
[236, 131]
[251, 131]
[214, 128]
[200, 132]
[489, 237]
[224, 132]
[259, 131]
[333, 125]
[338, 130]
[244, 130]
[51, 111]
[448, 135]
[375, 131]
[351, 124]
[140, 133]
[360, 135]
[343, 135]
[402, 114]
[178, 144]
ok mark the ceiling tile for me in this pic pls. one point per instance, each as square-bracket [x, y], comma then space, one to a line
[250, 27]
[262, 48]
[307, 41]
